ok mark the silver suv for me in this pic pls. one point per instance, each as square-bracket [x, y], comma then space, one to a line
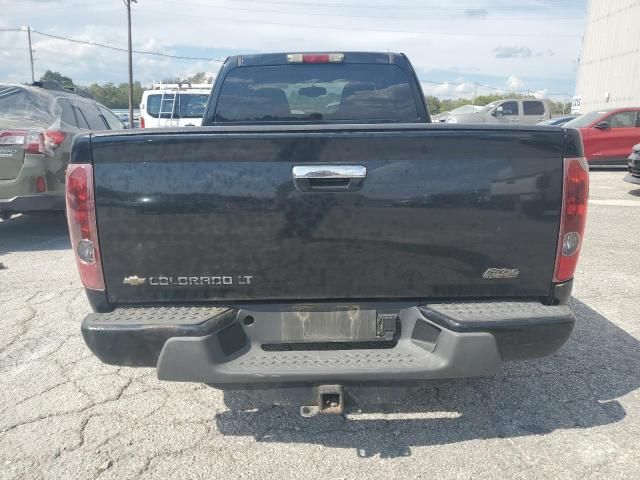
[508, 111]
[37, 126]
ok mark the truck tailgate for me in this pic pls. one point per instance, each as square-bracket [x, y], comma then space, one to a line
[214, 213]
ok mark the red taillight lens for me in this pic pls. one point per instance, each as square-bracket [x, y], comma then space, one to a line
[81, 215]
[41, 184]
[315, 57]
[53, 139]
[34, 143]
[12, 137]
[141, 121]
[575, 197]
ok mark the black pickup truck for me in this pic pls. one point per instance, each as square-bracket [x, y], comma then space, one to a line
[319, 231]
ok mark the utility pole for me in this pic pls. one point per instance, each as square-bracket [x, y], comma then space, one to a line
[28, 29]
[475, 91]
[127, 3]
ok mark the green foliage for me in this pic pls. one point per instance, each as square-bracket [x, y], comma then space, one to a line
[200, 77]
[57, 76]
[116, 96]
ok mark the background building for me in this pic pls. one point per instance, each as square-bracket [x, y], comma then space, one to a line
[609, 69]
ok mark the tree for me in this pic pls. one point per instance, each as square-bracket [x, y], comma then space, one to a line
[116, 96]
[58, 77]
[434, 104]
[199, 77]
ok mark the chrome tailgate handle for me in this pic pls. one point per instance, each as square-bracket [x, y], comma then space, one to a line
[329, 171]
[333, 178]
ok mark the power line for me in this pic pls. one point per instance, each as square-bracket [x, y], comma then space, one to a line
[179, 57]
[120, 49]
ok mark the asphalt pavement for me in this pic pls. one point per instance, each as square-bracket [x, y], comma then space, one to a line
[576, 414]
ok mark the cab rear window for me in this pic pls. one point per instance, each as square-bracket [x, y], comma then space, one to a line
[316, 93]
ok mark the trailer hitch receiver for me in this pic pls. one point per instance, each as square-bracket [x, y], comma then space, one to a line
[330, 400]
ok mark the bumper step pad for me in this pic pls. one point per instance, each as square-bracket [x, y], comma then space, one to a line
[214, 345]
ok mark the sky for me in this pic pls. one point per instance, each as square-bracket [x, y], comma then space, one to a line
[526, 46]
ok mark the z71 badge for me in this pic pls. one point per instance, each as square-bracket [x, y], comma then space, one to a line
[491, 273]
[188, 281]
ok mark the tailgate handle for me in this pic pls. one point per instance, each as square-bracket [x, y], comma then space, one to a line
[329, 177]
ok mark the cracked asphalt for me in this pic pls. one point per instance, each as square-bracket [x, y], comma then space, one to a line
[576, 414]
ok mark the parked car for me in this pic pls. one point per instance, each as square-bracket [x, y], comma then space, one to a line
[558, 121]
[441, 117]
[508, 111]
[37, 126]
[608, 135]
[123, 115]
[634, 165]
[321, 232]
[462, 110]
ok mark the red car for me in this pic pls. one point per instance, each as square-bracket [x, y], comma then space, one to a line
[608, 135]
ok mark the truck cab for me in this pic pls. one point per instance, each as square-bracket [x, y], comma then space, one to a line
[507, 112]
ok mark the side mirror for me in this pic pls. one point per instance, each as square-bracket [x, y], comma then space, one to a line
[602, 125]
[499, 111]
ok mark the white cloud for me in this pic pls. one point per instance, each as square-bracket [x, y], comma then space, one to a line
[466, 40]
[512, 51]
[514, 83]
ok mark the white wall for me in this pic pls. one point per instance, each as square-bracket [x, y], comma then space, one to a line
[610, 60]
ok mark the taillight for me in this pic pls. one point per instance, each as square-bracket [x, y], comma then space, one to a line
[141, 121]
[53, 139]
[575, 196]
[81, 215]
[315, 57]
[34, 143]
[41, 184]
[12, 137]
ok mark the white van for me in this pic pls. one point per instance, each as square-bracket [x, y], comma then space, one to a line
[174, 105]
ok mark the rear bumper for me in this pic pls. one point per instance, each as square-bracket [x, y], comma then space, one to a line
[634, 169]
[214, 345]
[45, 202]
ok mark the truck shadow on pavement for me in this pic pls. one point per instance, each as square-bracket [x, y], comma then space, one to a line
[577, 387]
[30, 233]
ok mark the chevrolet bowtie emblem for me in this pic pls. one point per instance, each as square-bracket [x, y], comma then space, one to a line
[134, 280]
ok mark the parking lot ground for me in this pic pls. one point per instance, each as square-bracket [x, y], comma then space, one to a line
[576, 414]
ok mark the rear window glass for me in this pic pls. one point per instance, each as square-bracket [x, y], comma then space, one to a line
[327, 92]
[90, 113]
[585, 120]
[67, 115]
[23, 108]
[113, 121]
[180, 105]
[82, 122]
